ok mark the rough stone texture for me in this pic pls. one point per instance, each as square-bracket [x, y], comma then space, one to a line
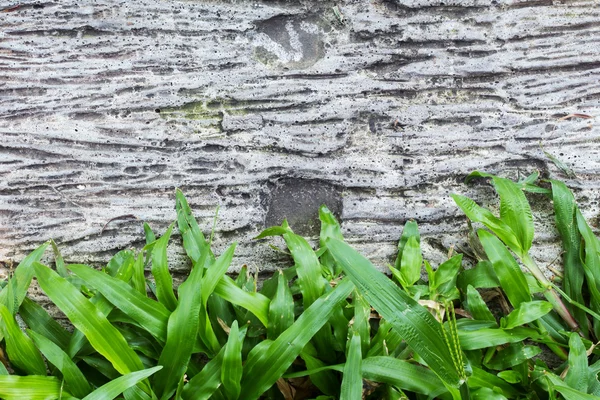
[107, 106]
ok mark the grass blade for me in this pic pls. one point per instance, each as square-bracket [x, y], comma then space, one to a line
[160, 271]
[181, 335]
[22, 279]
[411, 230]
[410, 270]
[231, 370]
[402, 374]
[352, 382]
[21, 351]
[263, 369]
[330, 228]
[414, 323]
[496, 225]
[74, 378]
[38, 320]
[14, 387]
[578, 374]
[254, 302]
[117, 386]
[509, 274]
[566, 223]
[281, 309]
[477, 307]
[104, 337]
[525, 313]
[490, 337]
[204, 384]
[151, 315]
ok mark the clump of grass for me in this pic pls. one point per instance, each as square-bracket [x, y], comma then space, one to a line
[329, 326]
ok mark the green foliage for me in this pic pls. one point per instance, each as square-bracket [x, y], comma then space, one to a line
[330, 325]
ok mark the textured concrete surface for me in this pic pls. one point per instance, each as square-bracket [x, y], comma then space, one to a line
[269, 108]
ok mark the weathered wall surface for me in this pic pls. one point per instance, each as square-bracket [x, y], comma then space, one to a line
[269, 107]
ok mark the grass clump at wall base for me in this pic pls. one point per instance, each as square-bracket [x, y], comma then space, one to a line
[330, 326]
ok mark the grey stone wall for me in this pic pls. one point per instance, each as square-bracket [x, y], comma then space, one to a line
[269, 108]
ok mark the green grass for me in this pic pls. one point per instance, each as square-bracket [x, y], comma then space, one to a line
[330, 326]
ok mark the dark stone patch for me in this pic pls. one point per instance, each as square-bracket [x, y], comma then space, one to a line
[298, 201]
[293, 42]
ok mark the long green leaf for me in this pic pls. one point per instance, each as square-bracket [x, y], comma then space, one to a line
[231, 370]
[117, 386]
[512, 355]
[181, 335]
[566, 223]
[21, 351]
[578, 374]
[281, 308]
[308, 268]
[479, 310]
[525, 313]
[104, 337]
[410, 270]
[160, 271]
[76, 382]
[38, 320]
[194, 241]
[204, 384]
[151, 315]
[414, 323]
[330, 228]
[509, 274]
[479, 214]
[352, 383]
[411, 230]
[263, 369]
[402, 374]
[489, 337]
[22, 279]
[254, 302]
[32, 387]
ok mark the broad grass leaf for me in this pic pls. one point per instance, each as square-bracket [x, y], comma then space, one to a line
[578, 374]
[21, 280]
[352, 382]
[231, 369]
[362, 314]
[308, 268]
[509, 273]
[490, 337]
[254, 302]
[410, 269]
[411, 230]
[480, 378]
[477, 307]
[263, 369]
[525, 313]
[515, 211]
[21, 351]
[117, 386]
[151, 315]
[446, 275]
[138, 279]
[330, 228]
[479, 214]
[160, 271]
[75, 381]
[567, 392]
[215, 273]
[512, 355]
[591, 265]
[486, 394]
[573, 270]
[281, 308]
[104, 337]
[38, 320]
[182, 331]
[194, 242]
[13, 387]
[482, 276]
[58, 260]
[412, 321]
[325, 380]
[402, 374]
[206, 382]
